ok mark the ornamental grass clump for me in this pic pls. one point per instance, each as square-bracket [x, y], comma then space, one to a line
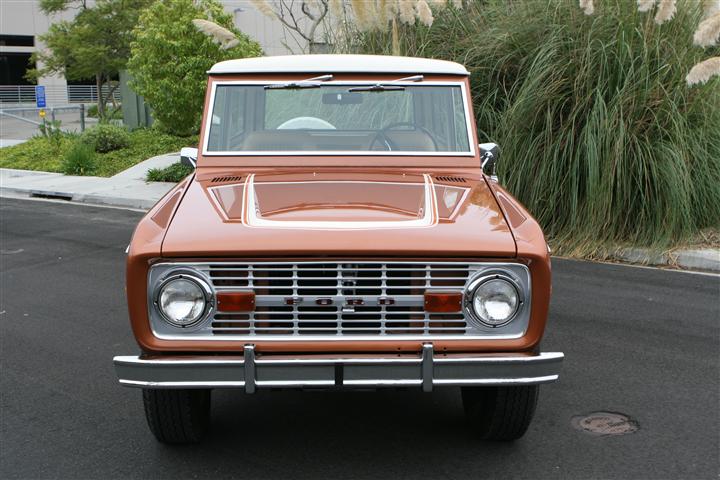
[79, 160]
[601, 137]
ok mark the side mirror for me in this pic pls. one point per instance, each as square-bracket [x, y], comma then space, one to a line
[489, 156]
[188, 156]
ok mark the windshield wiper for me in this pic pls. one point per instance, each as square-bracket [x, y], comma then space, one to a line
[313, 82]
[387, 86]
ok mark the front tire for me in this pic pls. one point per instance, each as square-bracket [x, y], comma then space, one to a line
[500, 413]
[177, 416]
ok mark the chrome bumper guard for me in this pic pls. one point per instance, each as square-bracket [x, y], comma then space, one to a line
[425, 370]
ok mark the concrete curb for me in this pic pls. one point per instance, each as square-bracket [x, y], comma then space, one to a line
[117, 192]
[707, 259]
[122, 202]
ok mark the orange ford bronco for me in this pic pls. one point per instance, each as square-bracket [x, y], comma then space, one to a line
[342, 229]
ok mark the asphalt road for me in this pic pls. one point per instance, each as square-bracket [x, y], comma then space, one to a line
[642, 342]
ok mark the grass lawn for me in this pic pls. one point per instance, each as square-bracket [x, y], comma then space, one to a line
[39, 153]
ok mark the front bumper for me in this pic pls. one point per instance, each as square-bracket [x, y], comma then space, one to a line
[251, 371]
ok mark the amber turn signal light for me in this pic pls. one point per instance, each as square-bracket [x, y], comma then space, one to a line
[443, 302]
[236, 301]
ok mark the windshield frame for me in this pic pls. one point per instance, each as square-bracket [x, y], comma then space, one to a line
[353, 153]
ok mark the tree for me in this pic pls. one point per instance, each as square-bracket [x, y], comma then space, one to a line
[96, 43]
[170, 58]
[303, 18]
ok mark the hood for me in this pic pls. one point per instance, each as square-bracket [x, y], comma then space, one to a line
[246, 213]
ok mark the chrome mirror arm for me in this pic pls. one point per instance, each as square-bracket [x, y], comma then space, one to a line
[188, 156]
[489, 156]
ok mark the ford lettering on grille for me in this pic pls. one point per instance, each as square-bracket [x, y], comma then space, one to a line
[338, 298]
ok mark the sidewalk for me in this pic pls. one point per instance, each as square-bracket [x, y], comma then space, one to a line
[126, 189]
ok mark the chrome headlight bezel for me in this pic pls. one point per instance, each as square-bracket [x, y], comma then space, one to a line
[483, 277]
[191, 276]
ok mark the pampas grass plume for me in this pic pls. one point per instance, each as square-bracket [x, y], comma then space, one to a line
[220, 35]
[711, 8]
[708, 32]
[424, 13]
[358, 8]
[587, 6]
[703, 71]
[645, 5]
[264, 7]
[666, 11]
[406, 11]
[384, 11]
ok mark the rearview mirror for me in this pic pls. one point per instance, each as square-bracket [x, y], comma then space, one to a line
[188, 156]
[489, 156]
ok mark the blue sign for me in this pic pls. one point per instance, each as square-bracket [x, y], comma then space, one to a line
[40, 96]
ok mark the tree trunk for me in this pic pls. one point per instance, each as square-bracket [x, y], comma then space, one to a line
[110, 98]
[100, 99]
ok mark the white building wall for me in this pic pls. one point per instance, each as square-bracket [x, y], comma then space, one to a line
[268, 32]
[24, 17]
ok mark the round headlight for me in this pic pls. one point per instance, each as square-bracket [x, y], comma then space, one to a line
[182, 301]
[495, 301]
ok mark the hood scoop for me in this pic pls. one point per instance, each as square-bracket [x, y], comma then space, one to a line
[345, 213]
[327, 202]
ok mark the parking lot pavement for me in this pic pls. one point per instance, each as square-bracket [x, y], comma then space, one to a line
[638, 341]
[16, 129]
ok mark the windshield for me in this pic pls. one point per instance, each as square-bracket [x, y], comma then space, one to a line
[339, 118]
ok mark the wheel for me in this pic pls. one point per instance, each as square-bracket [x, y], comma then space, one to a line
[177, 416]
[500, 413]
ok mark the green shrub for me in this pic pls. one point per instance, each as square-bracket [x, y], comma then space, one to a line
[106, 137]
[170, 58]
[79, 160]
[601, 138]
[173, 173]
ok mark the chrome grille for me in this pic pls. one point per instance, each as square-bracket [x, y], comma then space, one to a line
[334, 298]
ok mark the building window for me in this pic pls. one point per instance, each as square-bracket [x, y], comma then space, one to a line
[17, 41]
[13, 67]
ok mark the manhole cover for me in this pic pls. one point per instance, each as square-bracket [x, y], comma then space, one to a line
[605, 423]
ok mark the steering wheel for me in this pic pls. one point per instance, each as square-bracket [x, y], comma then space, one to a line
[306, 123]
[382, 134]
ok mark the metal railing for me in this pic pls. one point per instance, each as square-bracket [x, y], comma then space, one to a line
[30, 114]
[54, 94]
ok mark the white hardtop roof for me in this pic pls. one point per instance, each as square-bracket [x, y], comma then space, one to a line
[338, 64]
